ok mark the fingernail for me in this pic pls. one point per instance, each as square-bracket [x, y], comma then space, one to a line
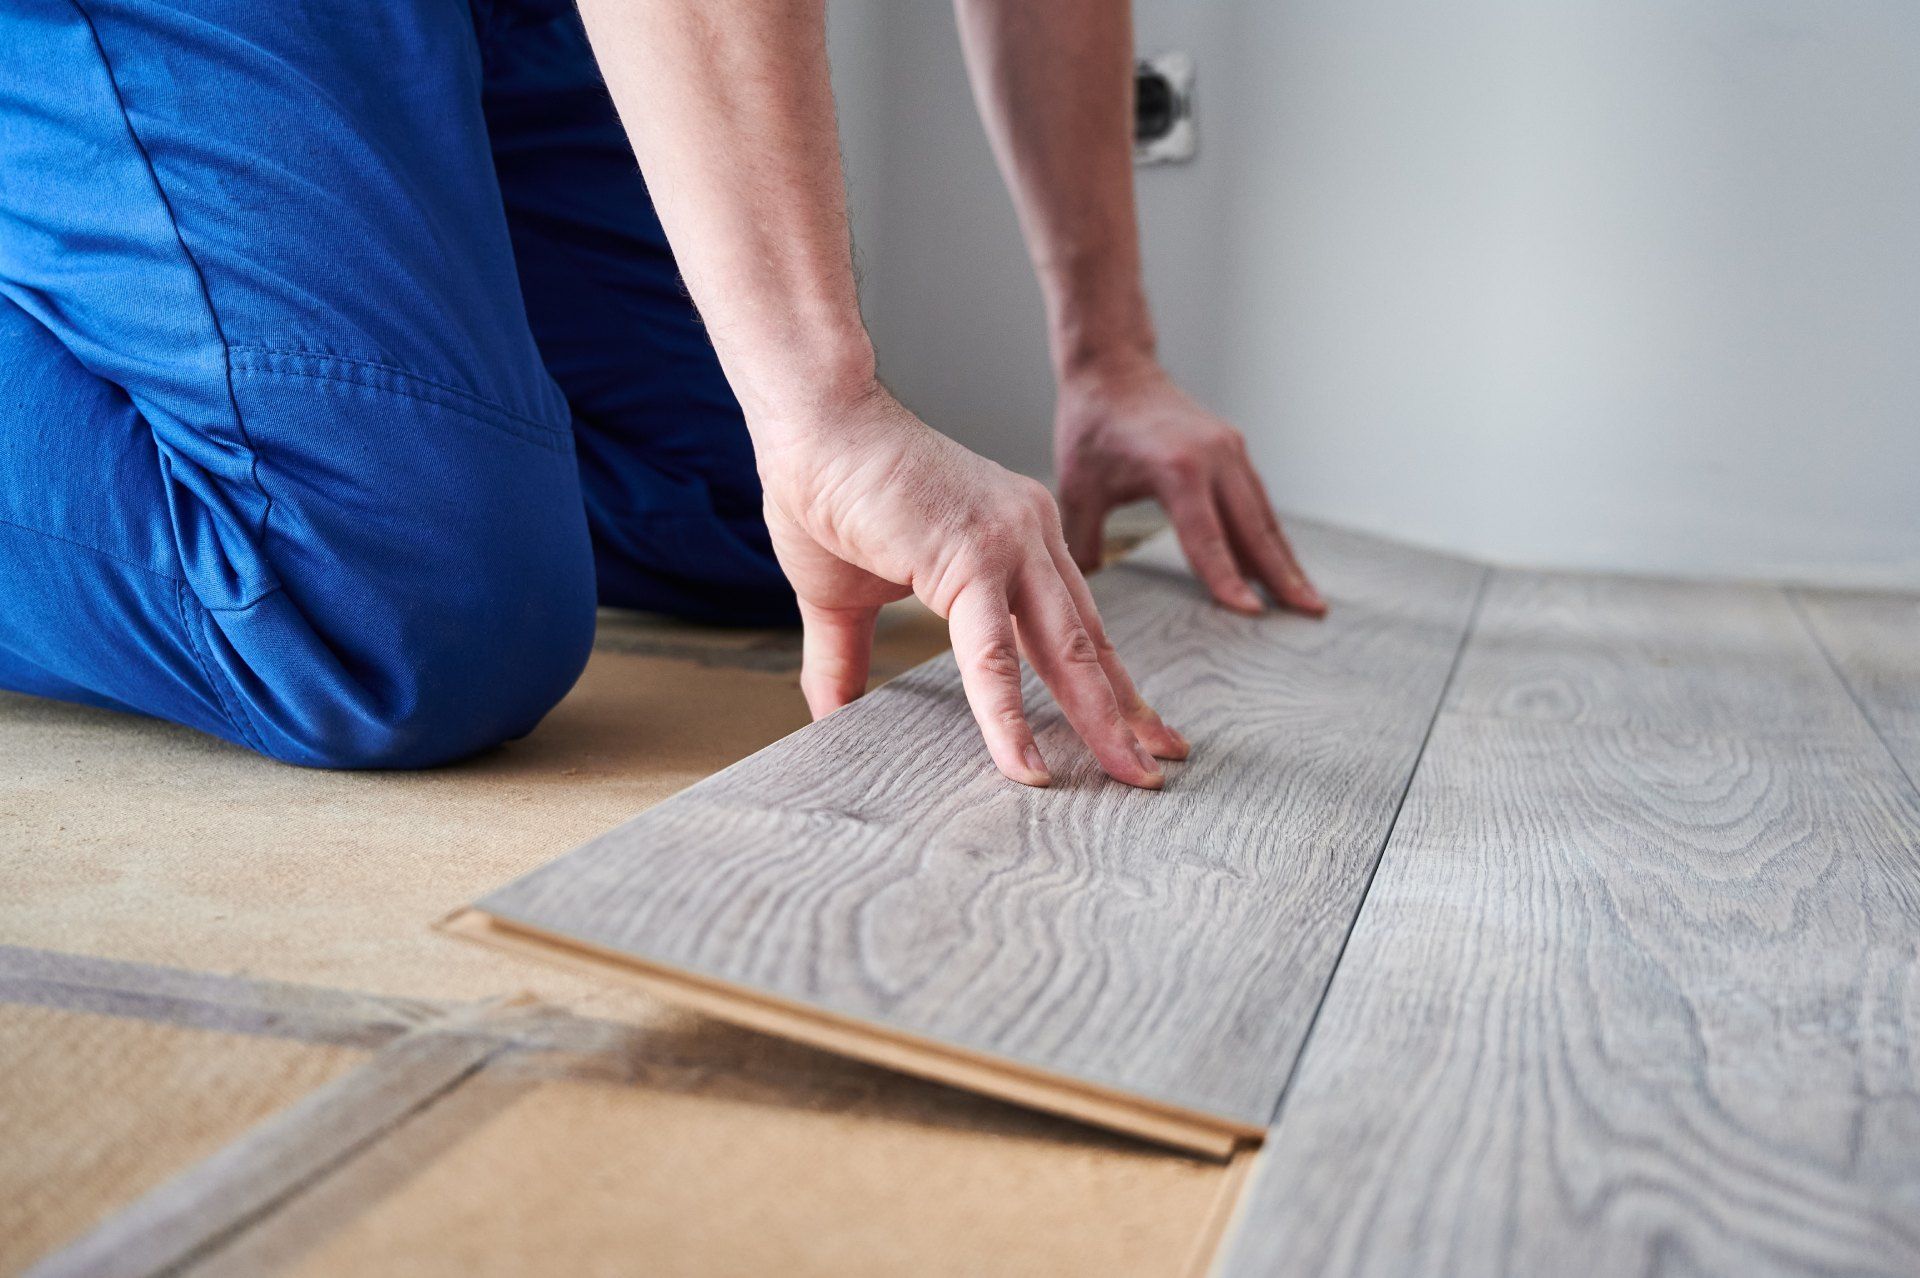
[1037, 765]
[1245, 598]
[1180, 739]
[1147, 761]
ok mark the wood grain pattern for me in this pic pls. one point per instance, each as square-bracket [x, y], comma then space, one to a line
[1170, 946]
[1874, 641]
[1620, 1001]
[1635, 652]
[1157, 1124]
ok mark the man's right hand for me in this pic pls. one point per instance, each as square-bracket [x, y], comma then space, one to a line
[879, 505]
[730, 110]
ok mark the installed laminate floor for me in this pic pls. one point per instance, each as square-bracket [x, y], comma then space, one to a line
[1634, 986]
[1872, 640]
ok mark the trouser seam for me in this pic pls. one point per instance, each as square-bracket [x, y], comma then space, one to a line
[241, 723]
[193, 264]
[348, 370]
[167, 577]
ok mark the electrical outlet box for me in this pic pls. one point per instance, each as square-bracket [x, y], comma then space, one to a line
[1163, 128]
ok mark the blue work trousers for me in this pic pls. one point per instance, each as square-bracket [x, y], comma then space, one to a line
[344, 367]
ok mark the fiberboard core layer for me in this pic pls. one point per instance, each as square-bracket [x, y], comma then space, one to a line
[1146, 961]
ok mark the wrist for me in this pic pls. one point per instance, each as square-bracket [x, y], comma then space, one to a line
[1098, 323]
[1103, 376]
[1102, 350]
[805, 387]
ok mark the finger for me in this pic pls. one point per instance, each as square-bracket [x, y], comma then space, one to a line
[1319, 605]
[988, 653]
[1146, 723]
[1064, 654]
[1257, 540]
[836, 647]
[1084, 522]
[1197, 524]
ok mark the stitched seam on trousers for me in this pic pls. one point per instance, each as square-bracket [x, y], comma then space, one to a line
[227, 610]
[539, 436]
[104, 554]
[193, 263]
[215, 679]
[479, 401]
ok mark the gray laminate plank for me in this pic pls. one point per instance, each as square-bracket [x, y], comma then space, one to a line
[1170, 946]
[1637, 652]
[1619, 1002]
[1874, 640]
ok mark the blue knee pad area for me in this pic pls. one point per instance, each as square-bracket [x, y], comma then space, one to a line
[344, 369]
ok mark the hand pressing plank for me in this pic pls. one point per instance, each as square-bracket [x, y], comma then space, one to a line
[888, 506]
[730, 113]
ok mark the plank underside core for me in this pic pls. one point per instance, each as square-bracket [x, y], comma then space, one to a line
[1164, 951]
[1193, 1133]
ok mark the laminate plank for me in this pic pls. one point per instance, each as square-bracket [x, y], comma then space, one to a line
[1619, 1001]
[205, 1000]
[1170, 947]
[1637, 652]
[1874, 640]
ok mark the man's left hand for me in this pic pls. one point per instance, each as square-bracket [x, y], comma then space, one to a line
[1120, 437]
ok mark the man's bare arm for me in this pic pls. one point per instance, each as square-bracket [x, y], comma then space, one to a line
[1054, 83]
[730, 112]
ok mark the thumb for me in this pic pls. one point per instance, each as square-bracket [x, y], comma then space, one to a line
[836, 648]
[1083, 521]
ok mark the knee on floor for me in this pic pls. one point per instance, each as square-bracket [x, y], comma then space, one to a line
[439, 671]
[435, 581]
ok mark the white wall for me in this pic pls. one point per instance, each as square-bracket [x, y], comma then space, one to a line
[1629, 284]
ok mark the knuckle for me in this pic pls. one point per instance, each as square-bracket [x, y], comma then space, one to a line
[1038, 508]
[985, 557]
[1010, 719]
[1080, 649]
[1185, 467]
[1012, 519]
[999, 660]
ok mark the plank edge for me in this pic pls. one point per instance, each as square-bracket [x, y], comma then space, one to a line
[1189, 1131]
[1223, 1212]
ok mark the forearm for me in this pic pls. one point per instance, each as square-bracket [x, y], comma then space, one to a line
[1054, 83]
[730, 112]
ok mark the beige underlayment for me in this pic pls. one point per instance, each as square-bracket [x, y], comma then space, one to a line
[582, 1176]
[96, 1110]
[700, 1149]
